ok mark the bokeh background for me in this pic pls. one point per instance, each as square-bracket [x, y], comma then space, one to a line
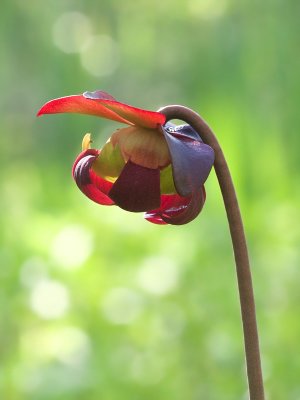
[96, 303]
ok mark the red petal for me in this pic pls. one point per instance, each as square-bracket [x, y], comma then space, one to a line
[92, 185]
[137, 188]
[177, 210]
[81, 105]
[136, 116]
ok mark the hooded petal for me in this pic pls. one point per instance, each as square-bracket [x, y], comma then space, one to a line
[137, 188]
[192, 160]
[92, 185]
[135, 116]
[145, 147]
[177, 210]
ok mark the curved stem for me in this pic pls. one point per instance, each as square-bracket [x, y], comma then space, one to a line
[247, 303]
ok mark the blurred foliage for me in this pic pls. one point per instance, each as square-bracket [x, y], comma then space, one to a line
[97, 303]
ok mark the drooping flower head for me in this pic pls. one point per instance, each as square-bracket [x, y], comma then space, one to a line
[150, 166]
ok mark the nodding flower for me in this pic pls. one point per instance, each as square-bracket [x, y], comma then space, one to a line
[149, 166]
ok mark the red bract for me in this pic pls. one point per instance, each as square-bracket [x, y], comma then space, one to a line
[150, 166]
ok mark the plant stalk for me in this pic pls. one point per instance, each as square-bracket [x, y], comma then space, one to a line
[251, 341]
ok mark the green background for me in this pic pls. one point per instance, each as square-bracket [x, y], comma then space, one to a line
[96, 303]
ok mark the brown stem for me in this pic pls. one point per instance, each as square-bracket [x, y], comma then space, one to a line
[254, 372]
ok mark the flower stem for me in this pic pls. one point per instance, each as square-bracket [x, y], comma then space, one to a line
[251, 341]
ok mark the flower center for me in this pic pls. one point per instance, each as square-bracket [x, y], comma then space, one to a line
[145, 147]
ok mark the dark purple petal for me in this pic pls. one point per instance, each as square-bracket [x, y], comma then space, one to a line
[187, 131]
[192, 160]
[137, 188]
[182, 131]
[177, 210]
[92, 185]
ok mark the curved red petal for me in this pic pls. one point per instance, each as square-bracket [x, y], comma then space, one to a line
[177, 210]
[81, 105]
[137, 188]
[136, 116]
[92, 185]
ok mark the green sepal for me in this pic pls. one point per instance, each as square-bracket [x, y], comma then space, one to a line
[109, 163]
[167, 181]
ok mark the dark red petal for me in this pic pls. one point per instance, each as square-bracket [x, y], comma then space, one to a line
[192, 160]
[92, 185]
[177, 210]
[81, 105]
[136, 116]
[137, 188]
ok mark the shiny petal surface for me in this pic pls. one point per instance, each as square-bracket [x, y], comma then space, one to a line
[187, 131]
[81, 105]
[192, 160]
[136, 116]
[177, 210]
[137, 188]
[182, 131]
[92, 185]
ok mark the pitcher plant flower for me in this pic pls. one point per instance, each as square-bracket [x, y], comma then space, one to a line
[159, 168]
[149, 166]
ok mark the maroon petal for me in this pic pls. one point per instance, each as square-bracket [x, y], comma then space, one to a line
[192, 160]
[177, 210]
[92, 185]
[137, 188]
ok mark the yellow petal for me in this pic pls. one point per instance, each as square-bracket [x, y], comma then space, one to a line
[86, 141]
[109, 163]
